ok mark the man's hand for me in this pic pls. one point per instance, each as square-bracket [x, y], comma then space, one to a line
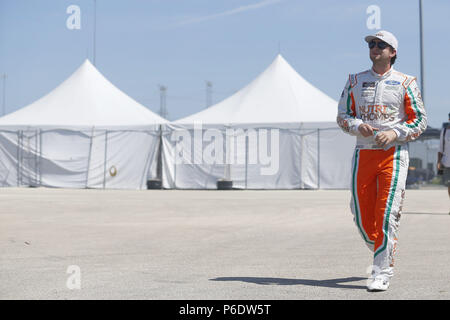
[384, 138]
[366, 130]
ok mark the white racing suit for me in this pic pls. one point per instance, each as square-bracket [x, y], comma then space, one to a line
[389, 101]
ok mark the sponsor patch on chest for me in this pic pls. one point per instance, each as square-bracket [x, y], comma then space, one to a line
[392, 82]
[368, 84]
[375, 112]
[367, 93]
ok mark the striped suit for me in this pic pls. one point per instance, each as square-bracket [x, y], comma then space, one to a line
[391, 101]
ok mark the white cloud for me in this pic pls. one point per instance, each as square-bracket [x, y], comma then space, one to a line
[237, 10]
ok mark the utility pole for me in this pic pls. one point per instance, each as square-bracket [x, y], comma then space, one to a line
[422, 87]
[162, 104]
[4, 76]
[208, 93]
[95, 29]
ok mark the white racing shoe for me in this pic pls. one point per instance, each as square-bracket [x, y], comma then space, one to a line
[379, 283]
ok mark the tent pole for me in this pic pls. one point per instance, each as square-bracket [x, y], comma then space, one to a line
[36, 159]
[89, 157]
[150, 156]
[40, 157]
[318, 158]
[104, 162]
[175, 165]
[159, 160]
[246, 160]
[18, 155]
[302, 143]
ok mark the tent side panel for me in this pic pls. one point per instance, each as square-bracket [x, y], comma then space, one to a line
[8, 159]
[128, 155]
[253, 157]
[64, 158]
[192, 158]
[274, 158]
[309, 159]
[167, 158]
[336, 152]
[96, 174]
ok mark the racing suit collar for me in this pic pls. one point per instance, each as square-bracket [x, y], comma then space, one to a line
[382, 76]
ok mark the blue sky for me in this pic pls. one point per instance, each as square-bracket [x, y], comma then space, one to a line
[184, 43]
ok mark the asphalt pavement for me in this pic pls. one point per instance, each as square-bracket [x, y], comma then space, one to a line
[201, 245]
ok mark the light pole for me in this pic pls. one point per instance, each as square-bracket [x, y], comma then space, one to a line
[422, 87]
[95, 28]
[4, 76]
[208, 93]
[162, 102]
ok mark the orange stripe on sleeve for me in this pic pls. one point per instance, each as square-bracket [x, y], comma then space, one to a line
[353, 106]
[410, 114]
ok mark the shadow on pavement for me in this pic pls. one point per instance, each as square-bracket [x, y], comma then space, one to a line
[331, 283]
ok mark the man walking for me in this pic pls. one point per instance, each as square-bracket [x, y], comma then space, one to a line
[383, 108]
[444, 154]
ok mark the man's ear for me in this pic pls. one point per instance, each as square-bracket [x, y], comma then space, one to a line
[393, 53]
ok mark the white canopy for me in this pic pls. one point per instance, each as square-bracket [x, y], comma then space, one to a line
[85, 99]
[277, 95]
[278, 132]
[86, 133]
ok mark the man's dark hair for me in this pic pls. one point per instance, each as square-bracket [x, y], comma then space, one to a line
[394, 57]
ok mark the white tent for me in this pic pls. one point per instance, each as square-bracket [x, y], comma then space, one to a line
[86, 133]
[278, 132]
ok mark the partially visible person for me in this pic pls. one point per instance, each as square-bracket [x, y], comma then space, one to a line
[444, 154]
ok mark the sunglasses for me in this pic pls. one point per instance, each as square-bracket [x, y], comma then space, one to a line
[381, 45]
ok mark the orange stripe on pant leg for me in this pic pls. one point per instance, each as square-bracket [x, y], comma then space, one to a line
[385, 175]
[367, 191]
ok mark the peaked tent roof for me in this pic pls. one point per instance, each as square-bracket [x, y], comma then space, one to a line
[86, 98]
[277, 95]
